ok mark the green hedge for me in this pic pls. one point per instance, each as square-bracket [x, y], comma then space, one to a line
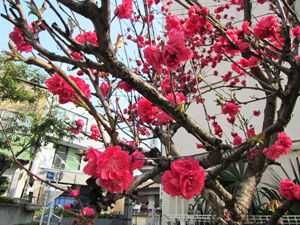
[32, 223]
[6, 200]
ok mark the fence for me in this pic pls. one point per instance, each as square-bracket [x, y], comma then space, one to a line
[186, 219]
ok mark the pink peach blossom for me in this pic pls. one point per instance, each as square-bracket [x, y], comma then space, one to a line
[125, 10]
[74, 194]
[186, 178]
[145, 110]
[68, 206]
[92, 157]
[286, 189]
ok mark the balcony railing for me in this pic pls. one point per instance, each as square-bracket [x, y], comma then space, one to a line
[186, 219]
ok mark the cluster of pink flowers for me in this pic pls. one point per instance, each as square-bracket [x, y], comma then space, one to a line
[113, 167]
[281, 147]
[125, 10]
[186, 178]
[167, 86]
[197, 25]
[90, 37]
[17, 36]
[171, 55]
[266, 27]
[289, 190]
[217, 127]
[145, 110]
[95, 132]
[80, 125]
[57, 85]
[126, 87]
[153, 115]
[231, 109]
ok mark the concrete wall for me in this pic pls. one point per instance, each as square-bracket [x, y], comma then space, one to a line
[68, 221]
[11, 214]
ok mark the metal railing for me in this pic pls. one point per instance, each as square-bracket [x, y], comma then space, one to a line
[287, 220]
[186, 219]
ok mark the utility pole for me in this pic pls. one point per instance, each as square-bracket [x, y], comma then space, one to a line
[127, 217]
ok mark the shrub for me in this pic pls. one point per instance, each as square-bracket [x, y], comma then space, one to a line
[6, 200]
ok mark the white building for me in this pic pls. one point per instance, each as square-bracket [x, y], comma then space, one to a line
[186, 143]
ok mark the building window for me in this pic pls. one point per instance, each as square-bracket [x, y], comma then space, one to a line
[15, 122]
[65, 158]
[72, 116]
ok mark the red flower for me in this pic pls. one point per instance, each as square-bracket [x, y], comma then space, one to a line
[194, 14]
[17, 36]
[163, 118]
[57, 85]
[172, 22]
[88, 211]
[244, 46]
[104, 88]
[80, 124]
[217, 47]
[186, 179]
[237, 140]
[250, 133]
[285, 141]
[204, 11]
[281, 147]
[245, 27]
[137, 163]
[296, 192]
[256, 112]
[90, 37]
[126, 87]
[74, 194]
[113, 169]
[286, 189]
[92, 156]
[124, 10]
[145, 110]
[179, 98]
[166, 85]
[68, 206]
[171, 183]
[95, 132]
[113, 162]
[231, 109]
[85, 88]
[171, 57]
[153, 56]
[175, 52]
[119, 184]
[266, 27]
